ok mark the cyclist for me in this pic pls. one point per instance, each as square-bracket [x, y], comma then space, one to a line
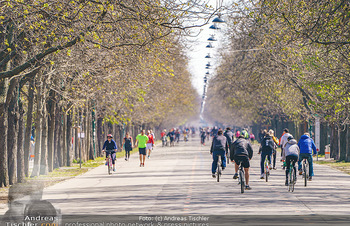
[177, 135]
[185, 135]
[242, 152]
[290, 155]
[307, 150]
[252, 137]
[164, 137]
[220, 147]
[207, 131]
[245, 133]
[237, 133]
[127, 143]
[229, 136]
[203, 135]
[274, 153]
[214, 131]
[141, 140]
[283, 141]
[154, 136]
[171, 135]
[110, 147]
[163, 133]
[261, 135]
[266, 148]
[150, 143]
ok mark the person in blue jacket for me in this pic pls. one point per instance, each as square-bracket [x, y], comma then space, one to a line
[307, 150]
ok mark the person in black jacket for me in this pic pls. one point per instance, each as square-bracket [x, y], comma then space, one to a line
[219, 146]
[266, 149]
[242, 152]
[229, 136]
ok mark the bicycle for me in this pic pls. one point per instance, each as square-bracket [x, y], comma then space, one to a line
[305, 171]
[109, 164]
[292, 178]
[218, 170]
[241, 177]
[267, 169]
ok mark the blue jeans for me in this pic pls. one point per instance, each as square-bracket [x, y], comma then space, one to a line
[215, 160]
[262, 160]
[309, 159]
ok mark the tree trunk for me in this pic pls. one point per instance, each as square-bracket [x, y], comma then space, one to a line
[58, 138]
[51, 108]
[20, 150]
[28, 132]
[323, 137]
[84, 151]
[43, 160]
[342, 143]
[64, 139]
[69, 137]
[76, 134]
[12, 130]
[88, 133]
[99, 136]
[347, 159]
[4, 178]
[334, 141]
[37, 151]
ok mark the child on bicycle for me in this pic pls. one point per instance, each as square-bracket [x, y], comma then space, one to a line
[110, 147]
[290, 155]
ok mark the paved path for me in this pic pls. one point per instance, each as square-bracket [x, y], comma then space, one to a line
[178, 180]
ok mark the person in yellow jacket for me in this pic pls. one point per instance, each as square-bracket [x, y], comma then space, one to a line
[271, 133]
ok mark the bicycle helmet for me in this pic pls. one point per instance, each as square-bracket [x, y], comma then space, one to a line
[109, 135]
[290, 138]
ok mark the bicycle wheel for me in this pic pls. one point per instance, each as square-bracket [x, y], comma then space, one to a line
[218, 174]
[110, 165]
[218, 171]
[266, 171]
[305, 174]
[241, 180]
[292, 179]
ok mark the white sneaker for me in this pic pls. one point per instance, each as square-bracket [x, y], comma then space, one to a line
[262, 176]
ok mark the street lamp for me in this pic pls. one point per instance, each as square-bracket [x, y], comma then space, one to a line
[214, 27]
[210, 45]
[218, 20]
[212, 39]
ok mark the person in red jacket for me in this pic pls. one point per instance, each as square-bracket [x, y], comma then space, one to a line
[150, 143]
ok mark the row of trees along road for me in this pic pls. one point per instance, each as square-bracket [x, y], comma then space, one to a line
[75, 66]
[287, 62]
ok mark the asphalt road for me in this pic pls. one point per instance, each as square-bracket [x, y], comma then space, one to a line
[177, 181]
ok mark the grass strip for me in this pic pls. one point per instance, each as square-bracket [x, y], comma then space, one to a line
[342, 166]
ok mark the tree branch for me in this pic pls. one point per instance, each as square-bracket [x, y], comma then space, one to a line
[20, 68]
